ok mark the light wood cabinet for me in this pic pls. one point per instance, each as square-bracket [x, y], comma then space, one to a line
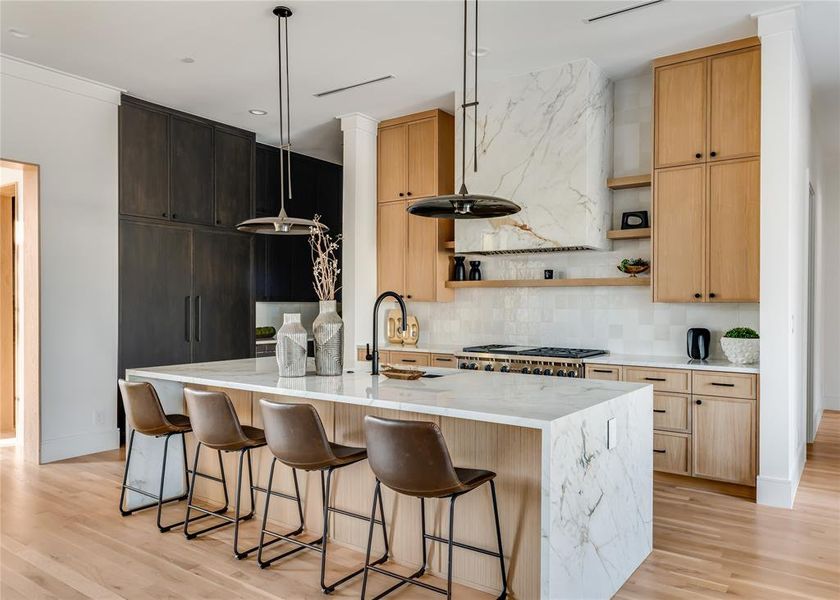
[672, 412]
[444, 360]
[662, 380]
[603, 372]
[707, 114]
[724, 439]
[671, 453]
[411, 359]
[415, 160]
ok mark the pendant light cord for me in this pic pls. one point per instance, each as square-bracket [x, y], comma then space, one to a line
[464, 110]
[475, 96]
[280, 104]
[288, 113]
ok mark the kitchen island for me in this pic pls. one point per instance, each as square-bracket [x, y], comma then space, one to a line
[575, 494]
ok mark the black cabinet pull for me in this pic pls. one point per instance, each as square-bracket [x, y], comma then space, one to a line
[712, 153]
[162, 214]
[174, 216]
[198, 318]
[408, 296]
[659, 410]
[712, 295]
[218, 221]
[601, 371]
[723, 384]
[401, 194]
[698, 295]
[698, 155]
[187, 319]
[409, 360]
[655, 379]
[439, 359]
[698, 402]
[408, 194]
[659, 451]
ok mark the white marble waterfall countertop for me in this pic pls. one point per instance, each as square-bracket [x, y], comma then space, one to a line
[672, 362]
[506, 398]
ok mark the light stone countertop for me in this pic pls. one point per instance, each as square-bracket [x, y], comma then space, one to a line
[510, 399]
[672, 362]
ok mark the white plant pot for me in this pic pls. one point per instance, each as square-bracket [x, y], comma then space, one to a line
[739, 350]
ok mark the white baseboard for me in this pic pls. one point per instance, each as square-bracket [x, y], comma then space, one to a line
[79, 445]
[775, 491]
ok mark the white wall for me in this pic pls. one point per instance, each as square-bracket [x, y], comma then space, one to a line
[68, 126]
[618, 319]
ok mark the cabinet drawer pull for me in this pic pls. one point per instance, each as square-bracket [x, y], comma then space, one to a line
[659, 451]
[723, 384]
[602, 371]
[655, 379]
[439, 359]
[659, 410]
[409, 360]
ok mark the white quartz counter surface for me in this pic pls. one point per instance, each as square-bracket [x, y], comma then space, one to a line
[507, 398]
[672, 362]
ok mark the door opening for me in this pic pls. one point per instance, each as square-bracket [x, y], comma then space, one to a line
[8, 320]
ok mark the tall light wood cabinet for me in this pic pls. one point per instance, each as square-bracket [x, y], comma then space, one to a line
[706, 174]
[415, 160]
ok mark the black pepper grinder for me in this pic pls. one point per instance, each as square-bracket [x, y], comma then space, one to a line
[475, 271]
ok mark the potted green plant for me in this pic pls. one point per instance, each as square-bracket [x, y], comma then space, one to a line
[633, 266]
[740, 345]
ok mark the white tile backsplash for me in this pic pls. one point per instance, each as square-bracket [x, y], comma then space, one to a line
[621, 320]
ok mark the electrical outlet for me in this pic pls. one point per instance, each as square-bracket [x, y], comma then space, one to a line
[98, 417]
[612, 434]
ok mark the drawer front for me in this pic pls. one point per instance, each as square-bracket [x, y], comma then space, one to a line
[671, 453]
[663, 380]
[717, 383]
[444, 360]
[671, 412]
[411, 359]
[606, 372]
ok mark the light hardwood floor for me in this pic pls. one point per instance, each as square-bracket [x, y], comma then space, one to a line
[61, 537]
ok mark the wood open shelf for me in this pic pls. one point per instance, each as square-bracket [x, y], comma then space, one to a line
[631, 181]
[449, 245]
[583, 282]
[628, 234]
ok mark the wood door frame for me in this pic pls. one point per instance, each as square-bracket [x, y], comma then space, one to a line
[9, 329]
[29, 298]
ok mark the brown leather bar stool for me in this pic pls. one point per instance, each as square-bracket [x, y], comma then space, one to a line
[411, 458]
[216, 426]
[296, 438]
[145, 414]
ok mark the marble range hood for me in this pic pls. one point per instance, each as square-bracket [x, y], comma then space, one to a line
[545, 142]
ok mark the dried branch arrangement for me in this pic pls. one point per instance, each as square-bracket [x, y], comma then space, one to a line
[325, 267]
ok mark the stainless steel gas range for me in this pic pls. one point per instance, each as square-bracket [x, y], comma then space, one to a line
[527, 360]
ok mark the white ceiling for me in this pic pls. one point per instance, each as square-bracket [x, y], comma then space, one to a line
[138, 46]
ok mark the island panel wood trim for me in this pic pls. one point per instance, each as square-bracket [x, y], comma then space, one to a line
[707, 51]
[662, 380]
[581, 282]
[672, 452]
[629, 181]
[716, 383]
[629, 234]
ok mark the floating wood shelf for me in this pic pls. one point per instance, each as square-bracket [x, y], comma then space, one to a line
[628, 234]
[632, 181]
[449, 245]
[584, 282]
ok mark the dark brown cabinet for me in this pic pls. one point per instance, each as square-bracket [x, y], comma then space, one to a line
[234, 162]
[144, 161]
[191, 171]
[267, 179]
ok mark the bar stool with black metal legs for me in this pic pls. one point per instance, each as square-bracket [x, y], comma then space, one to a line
[296, 438]
[145, 414]
[216, 426]
[411, 458]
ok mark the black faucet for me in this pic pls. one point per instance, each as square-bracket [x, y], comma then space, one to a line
[375, 354]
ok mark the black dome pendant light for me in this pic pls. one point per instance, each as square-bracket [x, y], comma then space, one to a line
[464, 205]
[282, 224]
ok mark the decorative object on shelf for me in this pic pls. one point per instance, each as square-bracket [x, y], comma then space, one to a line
[291, 347]
[282, 224]
[464, 205]
[697, 343]
[404, 374]
[393, 326]
[264, 333]
[327, 328]
[460, 273]
[548, 274]
[741, 345]
[412, 331]
[475, 270]
[633, 266]
[635, 219]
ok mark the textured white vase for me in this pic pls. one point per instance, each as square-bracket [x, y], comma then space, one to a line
[741, 351]
[328, 329]
[291, 347]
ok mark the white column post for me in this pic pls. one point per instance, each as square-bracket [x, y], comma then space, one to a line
[358, 268]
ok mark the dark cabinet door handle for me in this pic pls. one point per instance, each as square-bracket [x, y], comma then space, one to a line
[698, 402]
[198, 318]
[698, 295]
[218, 221]
[439, 359]
[401, 194]
[162, 214]
[187, 319]
[698, 155]
[601, 371]
[712, 153]
[408, 194]
[174, 216]
[655, 379]
[723, 384]
[409, 360]
[408, 296]
[712, 295]
[658, 410]
[659, 451]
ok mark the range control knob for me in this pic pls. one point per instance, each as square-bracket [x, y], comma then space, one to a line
[571, 374]
[560, 373]
[546, 371]
[462, 366]
[473, 367]
[525, 370]
[537, 371]
[505, 369]
[488, 367]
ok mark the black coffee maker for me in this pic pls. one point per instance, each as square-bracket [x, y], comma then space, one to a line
[697, 343]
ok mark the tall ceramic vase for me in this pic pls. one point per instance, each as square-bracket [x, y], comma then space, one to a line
[328, 329]
[291, 347]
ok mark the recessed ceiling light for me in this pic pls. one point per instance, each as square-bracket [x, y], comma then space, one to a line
[480, 52]
[258, 112]
[18, 33]
[188, 60]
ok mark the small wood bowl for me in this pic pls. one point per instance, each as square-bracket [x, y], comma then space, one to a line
[633, 270]
[404, 374]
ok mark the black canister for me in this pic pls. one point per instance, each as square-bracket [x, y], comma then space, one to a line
[460, 273]
[697, 343]
[475, 270]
